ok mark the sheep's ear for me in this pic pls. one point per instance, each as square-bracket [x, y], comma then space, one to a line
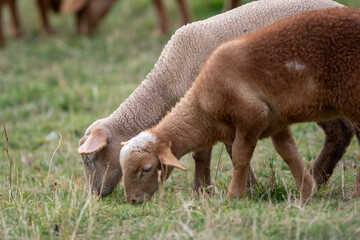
[96, 141]
[167, 157]
[71, 6]
[124, 143]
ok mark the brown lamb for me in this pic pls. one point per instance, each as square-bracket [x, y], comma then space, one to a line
[304, 68]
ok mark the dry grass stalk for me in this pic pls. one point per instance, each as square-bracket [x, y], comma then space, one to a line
[7, 152]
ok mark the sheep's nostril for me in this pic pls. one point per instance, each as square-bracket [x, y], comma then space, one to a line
[133, 201]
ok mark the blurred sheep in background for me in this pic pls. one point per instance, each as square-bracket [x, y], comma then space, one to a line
[89, 13]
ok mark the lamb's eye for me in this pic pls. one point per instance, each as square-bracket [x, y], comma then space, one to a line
[146, 170]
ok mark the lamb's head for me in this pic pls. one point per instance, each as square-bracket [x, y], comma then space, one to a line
[100, 154]
[146, 162]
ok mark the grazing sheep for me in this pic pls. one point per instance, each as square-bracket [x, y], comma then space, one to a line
[300, 69]
[174, 72]
[90, 12]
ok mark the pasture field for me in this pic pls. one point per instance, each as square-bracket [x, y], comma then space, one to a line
[57, 86]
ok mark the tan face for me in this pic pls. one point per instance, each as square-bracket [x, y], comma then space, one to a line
[145, 162]
[100, 155]
[141, 176]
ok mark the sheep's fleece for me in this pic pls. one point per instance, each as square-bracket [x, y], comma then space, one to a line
[177, 67]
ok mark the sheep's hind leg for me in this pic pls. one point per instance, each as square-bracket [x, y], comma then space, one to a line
[202, 179]
[285, 145]
[338, 134]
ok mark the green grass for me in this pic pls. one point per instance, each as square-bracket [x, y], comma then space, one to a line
[63, 83]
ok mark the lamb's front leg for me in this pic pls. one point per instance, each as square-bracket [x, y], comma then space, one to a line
[251, 180]
[242, 151]
[285, 145]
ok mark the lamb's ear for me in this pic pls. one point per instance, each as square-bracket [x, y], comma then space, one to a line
[96, 141]
[72, 6]
[124, 143]
[167, 157]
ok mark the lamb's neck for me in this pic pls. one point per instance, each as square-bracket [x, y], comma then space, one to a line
[187, 127]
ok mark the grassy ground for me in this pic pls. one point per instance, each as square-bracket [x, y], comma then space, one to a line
[61, 84]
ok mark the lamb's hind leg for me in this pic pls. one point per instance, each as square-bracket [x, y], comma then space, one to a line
[338, 134]
[202, 178]
[285, 145]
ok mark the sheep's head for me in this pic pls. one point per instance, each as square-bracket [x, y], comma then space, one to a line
[100, 154]
[146, 163]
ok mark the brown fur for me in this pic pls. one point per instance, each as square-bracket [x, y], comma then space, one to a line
[304, 68]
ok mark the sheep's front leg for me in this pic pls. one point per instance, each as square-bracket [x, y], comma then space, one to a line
[202, 169]
[285, 145]
[242, 151]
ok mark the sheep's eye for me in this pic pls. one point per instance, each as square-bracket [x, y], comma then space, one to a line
[146, 170]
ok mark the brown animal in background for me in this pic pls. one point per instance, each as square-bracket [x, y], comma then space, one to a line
[43, 8]
[15, 21]
[304, 68]
[90, 12]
